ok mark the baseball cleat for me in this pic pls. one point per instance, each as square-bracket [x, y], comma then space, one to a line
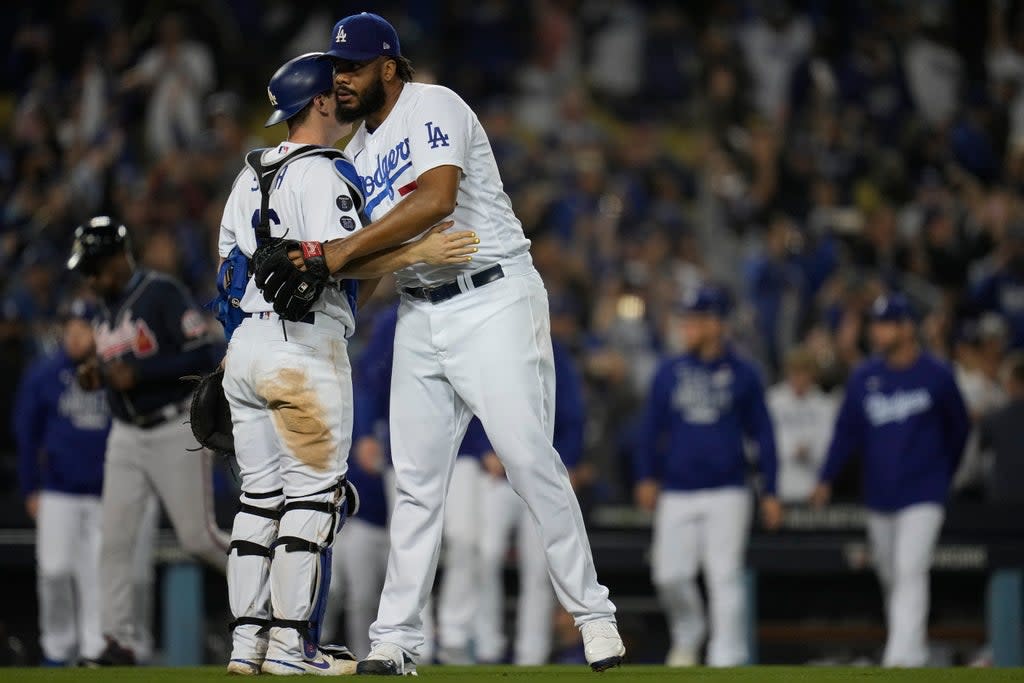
[114, 654]
[244, 667]
[323, 664]
[386, 659]
[680, 657]
[602, 645]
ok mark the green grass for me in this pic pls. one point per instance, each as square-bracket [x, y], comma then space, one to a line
[569, 674]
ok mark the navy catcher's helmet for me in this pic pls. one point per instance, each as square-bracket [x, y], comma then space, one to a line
[296, 83]
[95, 241]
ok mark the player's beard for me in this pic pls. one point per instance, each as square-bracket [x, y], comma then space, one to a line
[372, 99]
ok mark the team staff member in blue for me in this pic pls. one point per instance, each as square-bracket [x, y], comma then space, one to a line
[61, 431]
[691, 470]
[904, 414]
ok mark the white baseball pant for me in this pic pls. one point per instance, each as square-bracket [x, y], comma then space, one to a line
[359, 567]
[502, 513]
[706, 530]
[902, 544]
[485, 352]
[141, 463]
[289, 386]
[457, 602]
[68, 540]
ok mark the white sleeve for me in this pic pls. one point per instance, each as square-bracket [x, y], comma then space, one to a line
[439, 131]
[327, 209]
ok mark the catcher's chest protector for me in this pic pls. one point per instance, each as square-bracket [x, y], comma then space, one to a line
[234, 272]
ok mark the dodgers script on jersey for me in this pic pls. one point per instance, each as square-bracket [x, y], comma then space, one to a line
[431, 126]
[309, 201]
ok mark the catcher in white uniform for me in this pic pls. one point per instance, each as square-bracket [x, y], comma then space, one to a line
[288, 381]
[472, 338]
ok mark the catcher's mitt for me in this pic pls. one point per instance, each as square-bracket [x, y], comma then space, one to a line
[210, 414]
[292, 291]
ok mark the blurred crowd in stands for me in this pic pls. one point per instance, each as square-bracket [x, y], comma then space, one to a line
[808, 155]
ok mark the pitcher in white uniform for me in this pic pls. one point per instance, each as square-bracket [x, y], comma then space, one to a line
[472, 338]
[289, 383]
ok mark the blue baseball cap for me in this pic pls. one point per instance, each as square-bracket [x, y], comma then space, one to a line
[362, 37]
[707, 299]
[892, 308]
[297, 82]
[81, 309]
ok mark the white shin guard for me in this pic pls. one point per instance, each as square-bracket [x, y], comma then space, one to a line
[300, 573]
[252, 535]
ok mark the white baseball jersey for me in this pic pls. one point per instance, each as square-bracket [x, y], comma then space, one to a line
[309, 200]
[431, 126]
[803, 424]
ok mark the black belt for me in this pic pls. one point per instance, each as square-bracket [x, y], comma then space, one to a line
[159, 417]
[446, 291]
[309, 318]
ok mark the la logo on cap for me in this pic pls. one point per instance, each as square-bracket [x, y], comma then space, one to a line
[341, 37]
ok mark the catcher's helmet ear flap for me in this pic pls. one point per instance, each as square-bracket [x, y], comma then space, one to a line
[296, 83]
[95, 240]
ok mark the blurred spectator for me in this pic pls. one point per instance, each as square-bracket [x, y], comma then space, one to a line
[934, 70]
[774, 45]
[1002, 291]
[179, 72]
[978, 355]
[1002, 433]
[802, 415]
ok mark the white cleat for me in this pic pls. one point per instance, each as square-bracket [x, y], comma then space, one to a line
[386, 659]
[602, 644]
[680, 657]
[323, 664]
[244, 667]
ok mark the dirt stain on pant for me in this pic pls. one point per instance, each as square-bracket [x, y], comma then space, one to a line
[299, 418]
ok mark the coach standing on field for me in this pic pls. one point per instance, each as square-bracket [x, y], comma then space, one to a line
[904, 414]
[691, 470]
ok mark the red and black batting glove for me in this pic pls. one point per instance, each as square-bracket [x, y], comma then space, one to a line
[292, 291]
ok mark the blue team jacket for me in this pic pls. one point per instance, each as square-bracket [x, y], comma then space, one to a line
[910, 426]
[695, 421]
[61, 430]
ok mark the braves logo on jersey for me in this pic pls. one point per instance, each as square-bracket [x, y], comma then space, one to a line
[129, 336]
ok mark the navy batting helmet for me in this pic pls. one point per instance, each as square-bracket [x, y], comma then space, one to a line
[95, 241]
[296, 83]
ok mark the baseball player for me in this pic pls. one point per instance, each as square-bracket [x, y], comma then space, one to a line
[148, 335]
[363, 574]
[288, 381]
[803, 416]
[691, 469]
[472, 338]
[503, 513]
[904, 414]
[61, 431]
